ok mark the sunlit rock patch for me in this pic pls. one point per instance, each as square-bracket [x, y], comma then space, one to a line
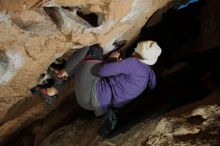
[10, 63]
[200, 127]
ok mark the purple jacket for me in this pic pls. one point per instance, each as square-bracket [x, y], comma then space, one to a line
[128, 79]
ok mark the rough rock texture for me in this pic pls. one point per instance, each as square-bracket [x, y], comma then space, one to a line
[35, 32]
[200, 127]
[37, 110]
[210, 28]
[71, 135]
[193, 124]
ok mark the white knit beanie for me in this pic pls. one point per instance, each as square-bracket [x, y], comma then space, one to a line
[149, 51]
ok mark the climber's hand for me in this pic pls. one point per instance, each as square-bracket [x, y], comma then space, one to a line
[114, 56]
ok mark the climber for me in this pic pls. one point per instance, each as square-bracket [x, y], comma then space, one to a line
[96, 81]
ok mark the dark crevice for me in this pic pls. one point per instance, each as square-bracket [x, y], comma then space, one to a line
[91, 18]
[195, 120]
[174, 32]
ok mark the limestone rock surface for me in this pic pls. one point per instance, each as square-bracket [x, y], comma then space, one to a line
[193, 124]
[33, 33]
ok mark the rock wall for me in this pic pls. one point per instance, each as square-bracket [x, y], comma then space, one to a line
[33, 33]
[210, 29]
[193, 124]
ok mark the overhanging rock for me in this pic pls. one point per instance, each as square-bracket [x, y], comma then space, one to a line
[36, 32]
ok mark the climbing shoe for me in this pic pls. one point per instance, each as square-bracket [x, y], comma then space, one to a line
[39, 92]
[109, 123]
[59, 82]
